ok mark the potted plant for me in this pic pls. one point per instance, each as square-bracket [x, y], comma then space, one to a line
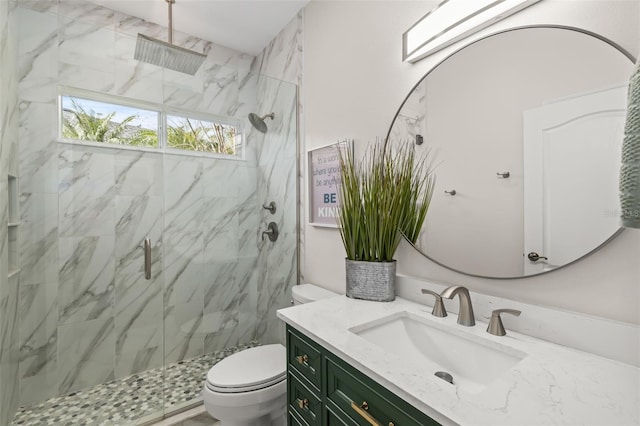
[385, 194]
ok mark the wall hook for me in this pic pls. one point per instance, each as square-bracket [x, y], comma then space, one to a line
[452, 192]
[504, 175]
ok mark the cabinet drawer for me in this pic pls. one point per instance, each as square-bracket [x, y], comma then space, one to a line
[366, 402]
[303, 401]
[305, 357]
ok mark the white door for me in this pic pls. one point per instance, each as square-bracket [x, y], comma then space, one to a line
[572, 157]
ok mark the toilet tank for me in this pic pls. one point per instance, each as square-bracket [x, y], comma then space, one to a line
[305, 293]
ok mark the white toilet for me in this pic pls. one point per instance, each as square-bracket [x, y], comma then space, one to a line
[249, 388]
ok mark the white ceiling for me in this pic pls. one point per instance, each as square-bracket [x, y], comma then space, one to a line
[243, 25]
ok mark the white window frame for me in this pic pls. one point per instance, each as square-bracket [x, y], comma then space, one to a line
[185, 113]
[163, 111]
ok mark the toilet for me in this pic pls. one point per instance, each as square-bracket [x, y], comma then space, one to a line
[249, 388]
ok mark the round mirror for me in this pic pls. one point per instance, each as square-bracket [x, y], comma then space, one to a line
[525, 129]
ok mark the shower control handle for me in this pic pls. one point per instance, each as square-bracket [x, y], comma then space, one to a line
[271, 232]
[147, 258]
[271, 207]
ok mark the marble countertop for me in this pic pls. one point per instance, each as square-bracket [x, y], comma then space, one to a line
[553, 384]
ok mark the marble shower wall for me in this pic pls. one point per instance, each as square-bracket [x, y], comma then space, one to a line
[280, 70]
[9, 350]
[277, 261]
[86, 312]
[413, 120]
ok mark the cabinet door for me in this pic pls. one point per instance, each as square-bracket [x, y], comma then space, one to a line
[366, 402]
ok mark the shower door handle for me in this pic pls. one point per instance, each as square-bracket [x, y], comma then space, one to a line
[147, 258]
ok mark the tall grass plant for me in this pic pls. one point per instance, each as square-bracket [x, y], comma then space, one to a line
[384, 195]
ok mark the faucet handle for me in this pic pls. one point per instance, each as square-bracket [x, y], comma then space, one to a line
[438, 306]
[495, 324]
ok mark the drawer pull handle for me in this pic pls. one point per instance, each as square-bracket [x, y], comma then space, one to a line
[303, 403]
[362, 410]
[302, 359]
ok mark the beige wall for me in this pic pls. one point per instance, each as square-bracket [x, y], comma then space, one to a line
[355, 81]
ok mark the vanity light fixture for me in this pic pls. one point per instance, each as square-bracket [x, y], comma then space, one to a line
[453, 20]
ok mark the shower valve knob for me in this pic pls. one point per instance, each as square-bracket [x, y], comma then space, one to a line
[272, 232]
[271, 207]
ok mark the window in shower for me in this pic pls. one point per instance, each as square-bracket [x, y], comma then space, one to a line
[194, 134]
[91, 120]
[95, 117]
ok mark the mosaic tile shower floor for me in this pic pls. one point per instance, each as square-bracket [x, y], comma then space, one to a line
[125, 401]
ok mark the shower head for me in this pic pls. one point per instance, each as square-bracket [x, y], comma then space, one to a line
[163, 54]
[167, 55]
[258, 122]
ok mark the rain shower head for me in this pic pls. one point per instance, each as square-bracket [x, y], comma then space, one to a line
[167, 55]
[163, 54]
[258, 122]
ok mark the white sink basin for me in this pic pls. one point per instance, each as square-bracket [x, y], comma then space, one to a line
[473, 361]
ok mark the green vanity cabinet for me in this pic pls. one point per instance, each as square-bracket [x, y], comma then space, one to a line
[322, 389]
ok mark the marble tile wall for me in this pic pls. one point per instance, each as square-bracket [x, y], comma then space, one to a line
[413, 120]
[282, 57]
[280, 69]
[277, 261]
[87, 314]
[9, 349]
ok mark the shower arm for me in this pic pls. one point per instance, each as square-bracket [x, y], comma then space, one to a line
[171, 2]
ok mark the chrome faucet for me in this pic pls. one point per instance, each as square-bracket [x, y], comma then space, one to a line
[465, 313]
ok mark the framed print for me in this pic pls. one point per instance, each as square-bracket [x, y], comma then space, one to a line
[324, 184]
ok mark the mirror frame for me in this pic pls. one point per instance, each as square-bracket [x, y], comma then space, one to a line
[524, 27]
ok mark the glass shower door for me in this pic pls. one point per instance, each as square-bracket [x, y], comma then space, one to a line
[111, 189]
[183, 292]
[139, 277]
[210, 255]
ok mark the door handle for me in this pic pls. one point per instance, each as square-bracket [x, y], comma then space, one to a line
[534, 257]
[147, 258]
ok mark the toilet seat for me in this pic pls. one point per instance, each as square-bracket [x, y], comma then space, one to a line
[249, 370]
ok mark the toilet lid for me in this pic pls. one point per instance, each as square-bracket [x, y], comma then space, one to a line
[250, 369]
